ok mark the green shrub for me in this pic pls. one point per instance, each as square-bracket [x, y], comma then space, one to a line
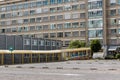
[95, 45]
[118, 56]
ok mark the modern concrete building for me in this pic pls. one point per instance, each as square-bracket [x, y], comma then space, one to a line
[28, 43]
[64, 20]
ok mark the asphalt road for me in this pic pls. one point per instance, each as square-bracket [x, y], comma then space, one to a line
[69, 70]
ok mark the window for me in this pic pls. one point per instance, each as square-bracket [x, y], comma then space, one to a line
[14, 30]
[26, 20]
[45, 10]
[113, 22]
[38, 27]
[19, 29]
[39, 3]
[33, 4]
[52, 10]
[32, 20]
[45, 35]
[25, 28]
[82, 33]
[95, 14]
[52, 1]
[60, 26]
[20, 21]
[75, 7]
[75, 25]
[75, 34]
[60, 34]
[67, 43]
[52, 35]
[59, 1]
[67, 15]
[38, 10]
[67, 1]
[112, 2]
[119, 30]
[32, 12]
[42, 43]
[113, 31]
[34, 42]
[8, 15]
[75, 15]
[32, 28]
[52, 18]
[27, 42]
[68, 34]
[95, 23]
[67, 7]
[53, 43]
[82, 6]
[82, 24]
[95, 4]
[67, 25]
[60, 17]
[45, 27]
[113, 12]
[2, 16]
[52, 26]
[95, 33]
[47, 43]
[45, 19]
[38, 19]
[82, 15]
[26, 13]
[14, 21]
[45, 2]
[59, 9]
[118, 1]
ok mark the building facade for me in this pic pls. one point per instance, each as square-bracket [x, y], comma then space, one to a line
[64, 20]
[28, 43]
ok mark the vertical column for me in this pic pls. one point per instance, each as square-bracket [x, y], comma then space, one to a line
[22, 58]
[69, 55]
[46, 57]
[53, 57]
[2, 58]
[39, 58]
[59, 56]
[86, 19]
[12, 58]
[31, 57]
[105, 30]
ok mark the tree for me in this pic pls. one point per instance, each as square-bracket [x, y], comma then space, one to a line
[95, 45]
[76, 44]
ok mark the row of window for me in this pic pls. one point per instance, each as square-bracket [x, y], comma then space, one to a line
[41, 43]
[34, 4]
[64, 34]
[27, 13]
[44, 19]
[66, 25]
[114, 12]
[114, 31]
[95, 14]
[114, 22]
[113, 2]
[95, 4]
